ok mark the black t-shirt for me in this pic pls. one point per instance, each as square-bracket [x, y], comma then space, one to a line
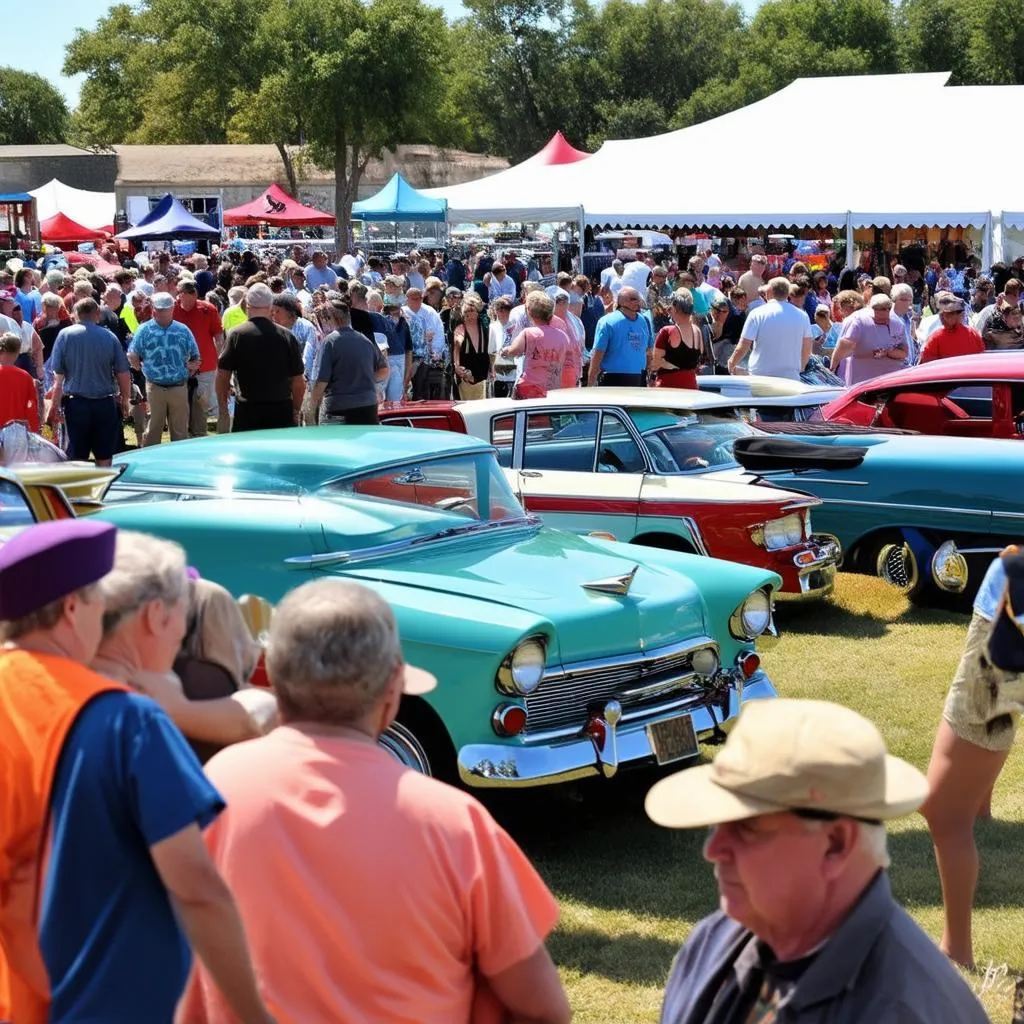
[264, 358]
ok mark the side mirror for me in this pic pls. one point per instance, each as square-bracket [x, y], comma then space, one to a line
[257, 613]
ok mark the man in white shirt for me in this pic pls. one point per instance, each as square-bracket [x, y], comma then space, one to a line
[433, 328]
[611, 277]
[501, 284]
[777, 335]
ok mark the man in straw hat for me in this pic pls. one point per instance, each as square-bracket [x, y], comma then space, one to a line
[369, 891]
[808, 929]
[104, 879]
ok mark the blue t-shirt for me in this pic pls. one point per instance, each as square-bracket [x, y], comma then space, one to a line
[112, 945]
[990, 593]
[624, 343]
[31, 303]
[164, 351]
[88, 356]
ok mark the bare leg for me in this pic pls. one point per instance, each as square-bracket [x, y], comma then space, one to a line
[985, 811]
[960, 776]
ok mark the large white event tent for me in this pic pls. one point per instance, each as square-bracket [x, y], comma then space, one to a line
[93, 210]
[757, 167]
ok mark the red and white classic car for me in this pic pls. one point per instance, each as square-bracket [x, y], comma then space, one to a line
[586, 460]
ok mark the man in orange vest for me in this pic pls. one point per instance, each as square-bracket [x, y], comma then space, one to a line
[105, 882]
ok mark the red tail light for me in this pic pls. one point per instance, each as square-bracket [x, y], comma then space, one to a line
[509, 719]
[748, 664]
[597, 731]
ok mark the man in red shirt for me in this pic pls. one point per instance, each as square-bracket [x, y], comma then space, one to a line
[203, 320]
[954, 337]
[18, 396]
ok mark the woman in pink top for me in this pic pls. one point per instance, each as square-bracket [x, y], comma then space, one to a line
[546, 350]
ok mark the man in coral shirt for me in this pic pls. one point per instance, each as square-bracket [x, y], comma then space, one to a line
[19, 399]
[954, 337]
[203, 320]
[369, 891]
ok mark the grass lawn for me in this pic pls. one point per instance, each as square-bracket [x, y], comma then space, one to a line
[630, 891]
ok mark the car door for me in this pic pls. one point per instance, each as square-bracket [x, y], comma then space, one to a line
[580, 469]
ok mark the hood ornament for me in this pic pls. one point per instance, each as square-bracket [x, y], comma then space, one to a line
[613, 584]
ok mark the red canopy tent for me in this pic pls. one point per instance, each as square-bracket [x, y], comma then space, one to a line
[275, 206]
[62, 230]
[558, 151]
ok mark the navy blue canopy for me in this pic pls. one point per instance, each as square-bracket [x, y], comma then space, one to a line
[166, 221]
[399, 201]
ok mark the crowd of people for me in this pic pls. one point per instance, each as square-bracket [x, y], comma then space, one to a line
[170, 346]
[303, 875]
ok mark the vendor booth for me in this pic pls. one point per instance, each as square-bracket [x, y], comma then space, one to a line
[277, 209]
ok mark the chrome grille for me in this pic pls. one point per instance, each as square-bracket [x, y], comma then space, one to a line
[565, 696]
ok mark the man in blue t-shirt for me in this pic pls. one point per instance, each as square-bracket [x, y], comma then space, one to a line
[623, 343]
[102, 808]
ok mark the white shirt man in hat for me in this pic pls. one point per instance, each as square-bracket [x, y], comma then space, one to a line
[105, 879]
[808, 929]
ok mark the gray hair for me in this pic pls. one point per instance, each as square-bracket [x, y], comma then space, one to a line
[145, 569]
[779, 288]
[872, 839]
[236, 294]
[259, 296]
[46, 617]
[52, 299]
[901, 291]
[333, 649]
[55, 279]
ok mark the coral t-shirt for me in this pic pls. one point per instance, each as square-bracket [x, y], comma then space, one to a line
[368, 892]
[960, 340]
[547, 351]
[19, 399]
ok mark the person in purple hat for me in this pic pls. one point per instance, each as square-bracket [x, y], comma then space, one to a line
[105, 879]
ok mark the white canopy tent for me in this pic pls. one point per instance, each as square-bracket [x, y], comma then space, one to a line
[763, 178]
[93, 210]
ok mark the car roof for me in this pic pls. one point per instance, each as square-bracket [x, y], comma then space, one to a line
[985, 366]
[757, 386]
[302, 457]
[628, 398]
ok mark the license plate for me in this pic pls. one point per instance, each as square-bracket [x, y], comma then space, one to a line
[673, 739]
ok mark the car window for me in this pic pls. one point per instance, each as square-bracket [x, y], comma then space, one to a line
[503, 432]
[14, 509]
[974, 399]
[562, 441]
[463, 485]
[426, 422]
[696, 442]
[617, 451]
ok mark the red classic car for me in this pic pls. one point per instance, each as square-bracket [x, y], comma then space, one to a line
[966, 396]
[584, 461]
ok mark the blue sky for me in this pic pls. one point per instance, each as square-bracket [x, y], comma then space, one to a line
[43, 51]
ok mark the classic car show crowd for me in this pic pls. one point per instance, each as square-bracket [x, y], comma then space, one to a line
[255, 677]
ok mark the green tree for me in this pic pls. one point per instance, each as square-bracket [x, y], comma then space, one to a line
[32, 112]
[789, 39]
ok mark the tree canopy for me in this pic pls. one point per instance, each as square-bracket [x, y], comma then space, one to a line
[32, 112]
[354, 77]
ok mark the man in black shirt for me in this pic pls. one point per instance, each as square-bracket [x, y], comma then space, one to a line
[266, 361]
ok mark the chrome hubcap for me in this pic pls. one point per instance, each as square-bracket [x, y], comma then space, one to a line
[403, 746]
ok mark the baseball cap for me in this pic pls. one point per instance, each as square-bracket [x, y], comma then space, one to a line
[163, 300]
[792, 755]
[950, 304]
[418, 680]
[8, 293]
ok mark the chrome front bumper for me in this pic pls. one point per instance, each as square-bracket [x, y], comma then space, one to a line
[493, 765]
[817, 576]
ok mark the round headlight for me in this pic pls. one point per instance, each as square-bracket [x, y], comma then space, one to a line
[752, 617]
[522, 671]
[784, 532]
[705, 662]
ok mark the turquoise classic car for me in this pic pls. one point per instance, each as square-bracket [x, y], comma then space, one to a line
[558, 656]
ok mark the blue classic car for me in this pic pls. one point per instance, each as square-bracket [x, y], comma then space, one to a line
[558, 656]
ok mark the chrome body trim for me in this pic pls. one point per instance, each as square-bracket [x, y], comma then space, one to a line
[925, 508]
[512, 765]
[698, 538]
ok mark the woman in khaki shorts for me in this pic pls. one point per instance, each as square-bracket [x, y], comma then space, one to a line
[974, 737]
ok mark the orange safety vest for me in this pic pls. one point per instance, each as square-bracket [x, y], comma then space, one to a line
[41, 695]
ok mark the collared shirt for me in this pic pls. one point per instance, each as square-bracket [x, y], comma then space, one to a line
[433, 330]
[164, 351]
[305, 333]
[878, 966]
[88, 356]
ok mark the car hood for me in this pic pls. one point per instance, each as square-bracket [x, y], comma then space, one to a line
[543, 572]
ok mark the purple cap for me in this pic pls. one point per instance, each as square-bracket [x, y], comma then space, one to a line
[48, 561]
[192, 572]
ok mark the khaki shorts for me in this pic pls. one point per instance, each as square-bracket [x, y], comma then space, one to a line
[984, 704]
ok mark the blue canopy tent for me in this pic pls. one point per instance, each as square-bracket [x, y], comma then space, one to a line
[168, 220]
[399, 201]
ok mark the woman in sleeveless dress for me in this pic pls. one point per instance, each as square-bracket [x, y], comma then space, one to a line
[679, 347]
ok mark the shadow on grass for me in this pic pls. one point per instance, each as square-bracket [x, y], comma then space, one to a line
[602, 850]
[832, 619]
[633, 959]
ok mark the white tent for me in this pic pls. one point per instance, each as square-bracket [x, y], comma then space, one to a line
[93, 210]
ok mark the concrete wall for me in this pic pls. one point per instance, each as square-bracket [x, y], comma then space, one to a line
[321, 197]
[93, 171]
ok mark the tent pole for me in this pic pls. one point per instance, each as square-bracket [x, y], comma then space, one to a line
[998, 230]
[849, 240]
[986, 243]
[583, 234]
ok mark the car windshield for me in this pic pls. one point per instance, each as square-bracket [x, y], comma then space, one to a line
[696, 442]
[470, 486]
[14, 510]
